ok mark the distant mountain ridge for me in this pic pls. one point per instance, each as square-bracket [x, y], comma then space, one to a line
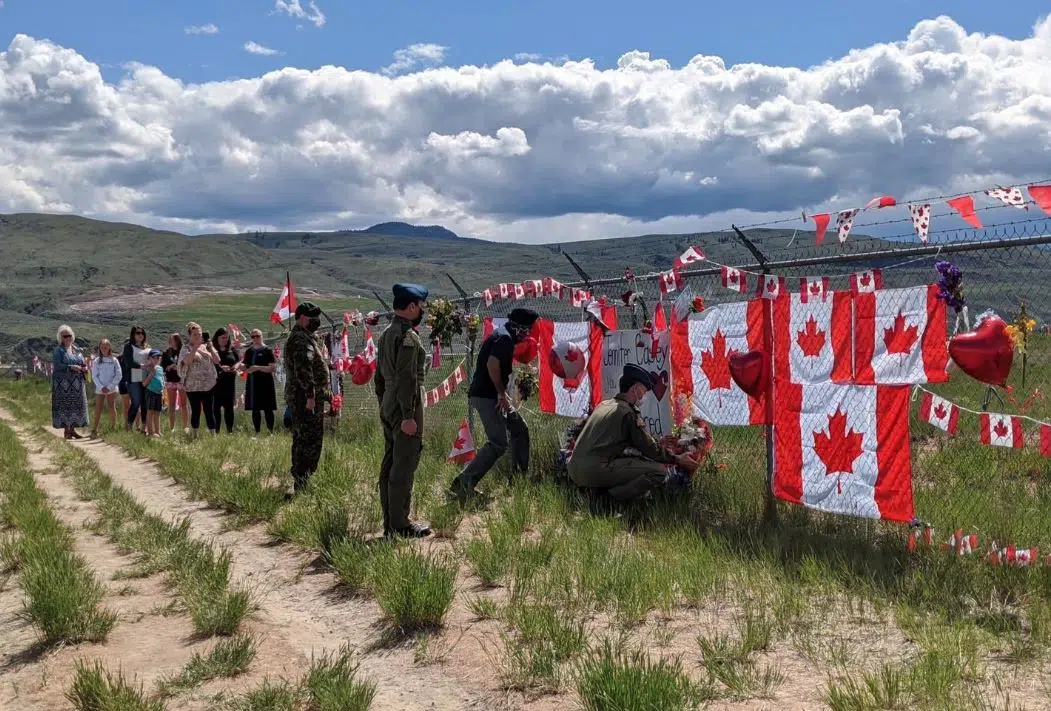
[404, 229]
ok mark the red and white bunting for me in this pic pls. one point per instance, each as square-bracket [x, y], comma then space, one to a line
[463, 446]
[881, 201]
[866, 282]
[771, 286]
[821, 225]
[921, 220]
[446, 387]
[734, 279]
[505, 290]
[845, 223]
[1041, 195]
[964, 205]
[900, 337]
[813, 288]
[999, 430]
[488, 297]
[670, 281]
[691, 255]
[1012, 197]
[519, 292]
[940, 412]
[844, 449]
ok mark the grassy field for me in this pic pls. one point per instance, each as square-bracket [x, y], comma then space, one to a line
[549, 600]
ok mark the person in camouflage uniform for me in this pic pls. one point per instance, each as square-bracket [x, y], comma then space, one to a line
[306, 392]
[401, 360]
[614, 452]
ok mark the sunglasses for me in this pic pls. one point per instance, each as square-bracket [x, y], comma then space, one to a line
[66, 336]
[255, 336]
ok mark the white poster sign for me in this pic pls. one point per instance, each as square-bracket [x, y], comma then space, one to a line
[623, 347]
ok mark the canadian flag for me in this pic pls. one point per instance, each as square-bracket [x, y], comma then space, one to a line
[1045, 440]
[236, 337]
[702, 346]
[506, 290]
[812, 338]
[844, 449]
[813, 288]
[533, 287]
[286, 303]
[940, 412]
[370, 347]
[691, 255]
[900, 337]
[1011, 197]
[463, 446]
[770, 286]
[519, 291]
[1002, 431]
[487, 297]
[577, 297]
[845, 223]
[670, 281]
[866, 282]
[554, 397]
[552, 287]
[734, 279]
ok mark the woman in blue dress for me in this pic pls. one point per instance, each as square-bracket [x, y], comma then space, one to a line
[69, 400]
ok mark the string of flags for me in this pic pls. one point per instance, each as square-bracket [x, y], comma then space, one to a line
[968, 544]
[448, 386]
[996, 429]
[921, 214]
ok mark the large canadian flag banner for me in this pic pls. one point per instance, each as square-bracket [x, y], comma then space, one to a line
[711, 337]
[812, 338]
[900, 337]
[844, 449]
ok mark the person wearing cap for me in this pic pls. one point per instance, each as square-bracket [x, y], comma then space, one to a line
[306, 392]
[614, 451]
[153, 385]
[504, 427]
[400, 367]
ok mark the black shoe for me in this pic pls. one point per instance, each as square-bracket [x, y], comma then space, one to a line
[413, 530]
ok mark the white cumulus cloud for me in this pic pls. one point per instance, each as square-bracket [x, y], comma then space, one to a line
[256, 48]
[525, 151]
[415, 55]
[208, 29]
[294, 8]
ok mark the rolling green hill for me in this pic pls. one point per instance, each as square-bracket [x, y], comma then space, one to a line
[53, 264]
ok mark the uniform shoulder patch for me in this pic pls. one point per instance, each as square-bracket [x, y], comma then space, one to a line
[411, 339]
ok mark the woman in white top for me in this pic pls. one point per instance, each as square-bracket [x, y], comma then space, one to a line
[106, 374]
[136, 351]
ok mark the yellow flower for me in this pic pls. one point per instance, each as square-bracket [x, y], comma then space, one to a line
[1030, 325]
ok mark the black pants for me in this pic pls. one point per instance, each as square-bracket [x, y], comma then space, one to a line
[201, 402]
[257, 416]
[223, 406]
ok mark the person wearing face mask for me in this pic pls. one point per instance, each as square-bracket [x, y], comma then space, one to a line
[401, 360]
[306, 392]
[488, 394]
[614, 451]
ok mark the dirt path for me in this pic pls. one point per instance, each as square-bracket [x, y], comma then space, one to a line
[299, 603]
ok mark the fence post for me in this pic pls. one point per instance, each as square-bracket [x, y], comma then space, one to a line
[470, 353]
[770, 504]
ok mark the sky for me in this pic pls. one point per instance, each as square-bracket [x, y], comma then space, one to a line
[531, 122]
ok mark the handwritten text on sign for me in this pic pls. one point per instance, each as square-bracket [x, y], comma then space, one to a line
[623, 347]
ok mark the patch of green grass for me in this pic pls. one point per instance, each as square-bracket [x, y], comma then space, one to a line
[227, 659]
[96, 689]
[352, 559]
[612, 679]
[268, 696]
[333, 685]
[543, 640]
[883, 690]
[415, 591]
[62, 595]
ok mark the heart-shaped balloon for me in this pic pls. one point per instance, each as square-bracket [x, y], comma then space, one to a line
[660, 384]
[751, 371]
[526, 350]
[985, 353]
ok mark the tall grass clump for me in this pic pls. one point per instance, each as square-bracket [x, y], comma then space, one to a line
[415, 591]
[333, 685]
[63, 596]
[228, 658]
[96, 689]
[609, 678]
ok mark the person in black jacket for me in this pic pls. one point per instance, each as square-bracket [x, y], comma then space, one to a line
[132, 359]
[225, 391]
[260, 395]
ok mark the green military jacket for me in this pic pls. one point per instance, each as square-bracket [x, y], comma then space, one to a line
[306, 372]
[613, 427]
[400, 366]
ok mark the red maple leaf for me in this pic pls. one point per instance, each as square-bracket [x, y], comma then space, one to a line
[459, 443]
[940, 412]
[838, 449]
[716, 364]
[572, 355]
[732, 277]
[866, 278]
[1001, 429]
[815, 288]
[810, 339]
[771, 286]
[899, 338]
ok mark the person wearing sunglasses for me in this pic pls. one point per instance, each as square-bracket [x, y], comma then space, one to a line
[259, 364]
[133, 358]
[69, 399]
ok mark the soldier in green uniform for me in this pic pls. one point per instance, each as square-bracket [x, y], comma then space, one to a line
[401, 360]
[603, 458]
[306, 392]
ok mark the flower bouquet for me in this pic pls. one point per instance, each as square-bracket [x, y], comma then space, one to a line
[526, 381]
[693, 438]
[467, 323]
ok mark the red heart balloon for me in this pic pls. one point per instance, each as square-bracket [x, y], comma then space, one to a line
[527, 350]
[985, 353]
[751, 371]
[660, 384]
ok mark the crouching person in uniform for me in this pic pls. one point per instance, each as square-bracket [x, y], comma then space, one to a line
[602, 458]
[401, 365]
[306, 392]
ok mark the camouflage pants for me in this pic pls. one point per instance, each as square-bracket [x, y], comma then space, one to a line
[401, 456]
[623, 478]
[308, 434]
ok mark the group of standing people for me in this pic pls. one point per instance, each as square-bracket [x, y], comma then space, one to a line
[198, 376]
